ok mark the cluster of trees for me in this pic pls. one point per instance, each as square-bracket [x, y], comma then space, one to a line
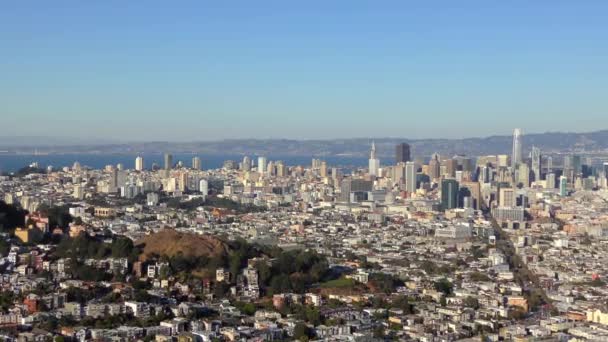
[59, 216]
[215, 202]
[87, 247]
[28, 170]
[386, 283]
[11, 217]
[292, 271]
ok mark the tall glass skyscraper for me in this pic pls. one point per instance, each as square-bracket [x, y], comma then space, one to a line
[516, 156]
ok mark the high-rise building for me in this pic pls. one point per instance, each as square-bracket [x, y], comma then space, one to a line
[204, 187]
[474, 190]
[350, 185]
[434, 167]
[168, 161]
[261, 165]
[402, 153]
[516, 156]
[449, 194]
[323, 169]
[246, 166]
[196, 163]
[605, 169]
[374, 162]
[502, 160]
[523, 174]
[549, 164]
[399, 173]
[450, 167]
[550, 181]
[410, 177]
[563, 186]
[506, 197]
[536, 162]
[139, 163]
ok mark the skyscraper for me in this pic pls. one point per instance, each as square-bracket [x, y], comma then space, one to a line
[536, 162]
[449, 194]
[261, 165]
[410, 177]
[168, 161]
[246, 165]
[516, 156]
[323, 169]
[434, 167]
[402, 153]
[196, 163]
[139, 163]
[563, 184]
[374, 163]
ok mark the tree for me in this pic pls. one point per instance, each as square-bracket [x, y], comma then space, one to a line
[471, 302]
[444, 286]
[301, 332]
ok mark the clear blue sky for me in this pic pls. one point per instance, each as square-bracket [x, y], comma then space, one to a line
[200, 70]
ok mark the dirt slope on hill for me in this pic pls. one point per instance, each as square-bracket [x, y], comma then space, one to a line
[170, 243]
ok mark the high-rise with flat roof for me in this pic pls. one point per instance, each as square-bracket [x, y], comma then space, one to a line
[139, 163]
[449, 194]
[410, 177]
[402, 153]
[196, 163]
[168, 161]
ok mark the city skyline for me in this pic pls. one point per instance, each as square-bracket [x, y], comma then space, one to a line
[214, 71]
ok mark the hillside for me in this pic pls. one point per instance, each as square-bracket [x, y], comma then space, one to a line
[550, 142]
[171, 243]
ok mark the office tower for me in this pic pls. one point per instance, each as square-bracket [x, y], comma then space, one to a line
[485, 174]
[281, 169]
[506, 197]
[410, 177]
[550, 181]
[516, 156]
[402, 153]
[502, 160]
[449, 194]
[523, 175]
[577, 165]
[168, 161]
[549, 164]
[271, 168]
[563, 183]
[196, 163]
[434, 167]
[323, 169]
[399, 173]
[450, 167]
[139, 163]
[316, 163]
[204, 187]
[536, 162]
[374, 163]
[474, 190]
[262, 165]
[350, 185]
[183, 181]
[605, 169]
[246, 163]
[78, 192]
[467, 164]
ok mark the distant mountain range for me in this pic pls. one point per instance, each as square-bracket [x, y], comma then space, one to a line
[590, 143]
